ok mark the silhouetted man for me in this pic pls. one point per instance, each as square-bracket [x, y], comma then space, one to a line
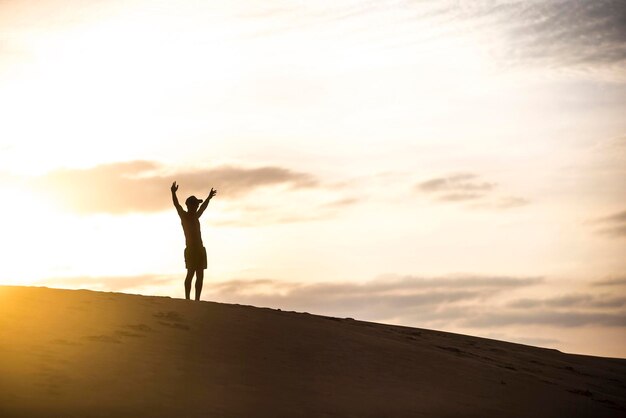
[195, 253]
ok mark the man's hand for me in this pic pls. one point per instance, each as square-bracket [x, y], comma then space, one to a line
[179, 209]
[206, 202]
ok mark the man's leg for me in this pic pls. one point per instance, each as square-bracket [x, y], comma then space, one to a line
[188, 283]
[199, 280]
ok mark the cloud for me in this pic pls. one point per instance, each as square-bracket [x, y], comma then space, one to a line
[587, 35]
[385, 298]
[618, 281]
[112, 283]
[143, 186]
[567, 32]
[546, 317]
[466, 301]
[464, 182]
[549, 34]
[619, 217]
[613, 225]
[569, 301]
[458, 197]
[502, 203]
[466, 187]
[614, 231]
[461, 302]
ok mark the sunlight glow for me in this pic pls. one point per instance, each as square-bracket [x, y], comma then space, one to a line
[380, 106]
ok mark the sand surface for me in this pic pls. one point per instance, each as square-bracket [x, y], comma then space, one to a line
[78, 353]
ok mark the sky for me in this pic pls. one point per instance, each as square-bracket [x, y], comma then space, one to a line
[450, 165]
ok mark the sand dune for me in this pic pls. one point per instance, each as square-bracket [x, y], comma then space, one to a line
[78, 353]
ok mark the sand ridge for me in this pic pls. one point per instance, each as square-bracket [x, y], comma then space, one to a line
[85, 353]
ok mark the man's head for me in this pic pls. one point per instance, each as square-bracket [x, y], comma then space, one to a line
[192, 203]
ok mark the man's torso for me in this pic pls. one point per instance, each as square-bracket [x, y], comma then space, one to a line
[191, 228]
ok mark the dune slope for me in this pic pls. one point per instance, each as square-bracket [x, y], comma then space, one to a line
[78, 353]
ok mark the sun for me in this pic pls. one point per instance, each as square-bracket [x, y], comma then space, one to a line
[24, 219]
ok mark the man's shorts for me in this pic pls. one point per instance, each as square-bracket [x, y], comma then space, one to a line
[195, 258]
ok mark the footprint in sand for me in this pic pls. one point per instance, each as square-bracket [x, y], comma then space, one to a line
[174, 325]
[140, 328]
[64, 342]
[171, 316]
[103, 339]
[123, 333]
[171, 319]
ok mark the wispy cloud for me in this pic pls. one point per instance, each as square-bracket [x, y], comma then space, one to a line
[566, 32]
[570, 318]
[503, 203]
[574, 300]
[112, 283]
[617, 281]
[463, 187]
[547, 34]
[613, 225]
[619, 217]
[464, 182]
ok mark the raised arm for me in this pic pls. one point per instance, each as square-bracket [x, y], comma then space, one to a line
[206, 202]
[179, 208]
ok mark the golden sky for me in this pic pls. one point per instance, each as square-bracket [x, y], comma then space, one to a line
[450, 165]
